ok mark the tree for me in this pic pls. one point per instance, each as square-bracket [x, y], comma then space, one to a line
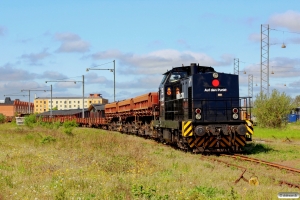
[297, 101]
[55, 108]
[272, 111]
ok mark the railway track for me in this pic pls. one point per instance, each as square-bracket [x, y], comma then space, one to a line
[255, 160]
[254, 180]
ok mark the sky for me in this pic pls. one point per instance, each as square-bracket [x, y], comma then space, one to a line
[58, 40]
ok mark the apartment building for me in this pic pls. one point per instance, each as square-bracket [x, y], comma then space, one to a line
[43, 104]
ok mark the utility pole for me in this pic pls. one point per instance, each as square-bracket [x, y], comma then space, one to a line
[82, 91]
[111, 70]
[29, 97]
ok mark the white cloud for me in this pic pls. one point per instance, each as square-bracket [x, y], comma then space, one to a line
[35, 57]
[8, 73]
[107, 54]
[71, 43]
[280, 66]
[158, 62]
[290, 20]
[13, 89]
[51, 75]
[255, 37]
[92, 78]
[71, 84]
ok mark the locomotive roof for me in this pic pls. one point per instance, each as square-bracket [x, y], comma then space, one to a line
[201, 69]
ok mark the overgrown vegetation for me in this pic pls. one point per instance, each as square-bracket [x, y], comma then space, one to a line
[2, 118]
[272, 111]
[30, 120]
[43, 162]
[69, 126]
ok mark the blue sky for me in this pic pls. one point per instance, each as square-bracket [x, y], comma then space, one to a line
[57, 40]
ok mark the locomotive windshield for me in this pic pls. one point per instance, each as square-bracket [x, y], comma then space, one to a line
[176, 76]
[163, 80]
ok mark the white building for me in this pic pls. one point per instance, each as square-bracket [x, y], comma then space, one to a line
[43, 104]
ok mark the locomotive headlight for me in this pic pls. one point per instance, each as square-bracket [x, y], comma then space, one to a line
[215, 75]
[198, 116]
[235, 116]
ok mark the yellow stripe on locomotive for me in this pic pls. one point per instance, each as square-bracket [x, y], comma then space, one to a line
[187, 128]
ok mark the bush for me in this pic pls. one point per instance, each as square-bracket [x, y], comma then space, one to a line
[2, 118]
[48, 139]
[69, 126]
[30, 120]
[56, 124]
[271, 111]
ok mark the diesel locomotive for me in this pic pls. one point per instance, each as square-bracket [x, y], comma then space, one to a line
[200, 109]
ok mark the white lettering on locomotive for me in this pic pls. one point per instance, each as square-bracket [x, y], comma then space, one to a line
[215, 89]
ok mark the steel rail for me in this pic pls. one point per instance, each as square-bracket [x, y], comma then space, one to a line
[255, 180]
[236, 156]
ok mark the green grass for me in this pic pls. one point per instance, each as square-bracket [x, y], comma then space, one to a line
[47, 163]
[292, 131]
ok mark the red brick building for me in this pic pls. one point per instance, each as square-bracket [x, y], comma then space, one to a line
[12, 108]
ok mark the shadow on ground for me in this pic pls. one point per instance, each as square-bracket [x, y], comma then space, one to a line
[254, 148]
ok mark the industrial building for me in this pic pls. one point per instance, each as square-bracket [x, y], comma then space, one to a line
[11, 108]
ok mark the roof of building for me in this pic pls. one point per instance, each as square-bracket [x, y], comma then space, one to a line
[62, 112]
[97, 106]
[8, 101]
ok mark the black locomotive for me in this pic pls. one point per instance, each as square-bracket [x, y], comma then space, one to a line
[200, 109]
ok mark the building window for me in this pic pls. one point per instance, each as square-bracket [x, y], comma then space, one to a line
[44, 102]
[65, 106]
[74, 106]
[65, 102]
[70, 102]
[56, 101]
[60, 106]
[69, 106]
[78, 101]
[60, 101]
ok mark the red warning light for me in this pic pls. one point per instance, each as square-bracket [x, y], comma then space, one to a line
[215, 82]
